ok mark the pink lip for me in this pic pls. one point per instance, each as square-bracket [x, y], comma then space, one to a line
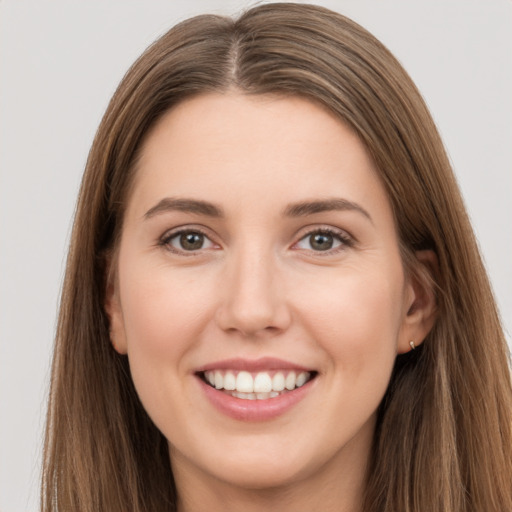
[254, 410]
[253, 365]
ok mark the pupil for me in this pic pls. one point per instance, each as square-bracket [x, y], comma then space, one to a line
[191, 241]
[321, 241]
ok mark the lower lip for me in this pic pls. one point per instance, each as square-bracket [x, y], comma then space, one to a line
[254, 410]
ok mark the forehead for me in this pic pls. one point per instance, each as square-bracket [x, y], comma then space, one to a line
[253, 150]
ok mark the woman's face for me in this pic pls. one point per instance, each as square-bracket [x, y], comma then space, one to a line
[259, 252]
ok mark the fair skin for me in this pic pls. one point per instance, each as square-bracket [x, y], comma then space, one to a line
[295, 258]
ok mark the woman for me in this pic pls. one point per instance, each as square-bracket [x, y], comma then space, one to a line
[273, 296]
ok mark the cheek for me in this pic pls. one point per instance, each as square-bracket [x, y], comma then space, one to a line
[160, 309]
[149, 311]
[356, 319]
[162, 317]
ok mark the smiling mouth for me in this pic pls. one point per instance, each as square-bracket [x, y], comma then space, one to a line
[256, 385]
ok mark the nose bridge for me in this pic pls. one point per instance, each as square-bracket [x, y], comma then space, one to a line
[253, 299]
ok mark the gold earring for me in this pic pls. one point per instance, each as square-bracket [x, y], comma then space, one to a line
[413, 346]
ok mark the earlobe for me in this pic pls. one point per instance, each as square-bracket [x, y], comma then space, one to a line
[421, 307]
[115, 318]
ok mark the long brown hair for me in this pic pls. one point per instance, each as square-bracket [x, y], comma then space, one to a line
[443, 440]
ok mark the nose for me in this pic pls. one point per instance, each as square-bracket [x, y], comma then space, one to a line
[253, 302]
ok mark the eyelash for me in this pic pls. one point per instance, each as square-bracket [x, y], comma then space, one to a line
[341, 236]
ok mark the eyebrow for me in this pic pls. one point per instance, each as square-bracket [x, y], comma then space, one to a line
[305, 208]
[300, 209]
[169, 204]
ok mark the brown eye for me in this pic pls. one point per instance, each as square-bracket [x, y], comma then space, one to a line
[191, 241]
[188, 241]
[321, 241]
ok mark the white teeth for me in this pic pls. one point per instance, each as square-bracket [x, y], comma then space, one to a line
[219, 380]
[229, 381]
[255, 396]
[244, 382]
[259, 386]
[262, 383]
[289, 382]
[301, 379]
[278, 382]
[244, 396]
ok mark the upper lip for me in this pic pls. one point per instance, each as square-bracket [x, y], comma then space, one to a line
[253, 365]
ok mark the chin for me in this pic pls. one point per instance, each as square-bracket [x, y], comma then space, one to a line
[254, 473]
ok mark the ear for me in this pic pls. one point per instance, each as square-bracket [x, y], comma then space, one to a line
[420, 306]
[115, 317]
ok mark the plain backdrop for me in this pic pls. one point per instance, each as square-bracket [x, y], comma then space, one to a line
[60, 62]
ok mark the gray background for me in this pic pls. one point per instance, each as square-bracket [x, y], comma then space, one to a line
[60, 62]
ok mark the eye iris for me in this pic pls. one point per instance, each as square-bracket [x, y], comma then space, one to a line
[321, 241]
[191, 241]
